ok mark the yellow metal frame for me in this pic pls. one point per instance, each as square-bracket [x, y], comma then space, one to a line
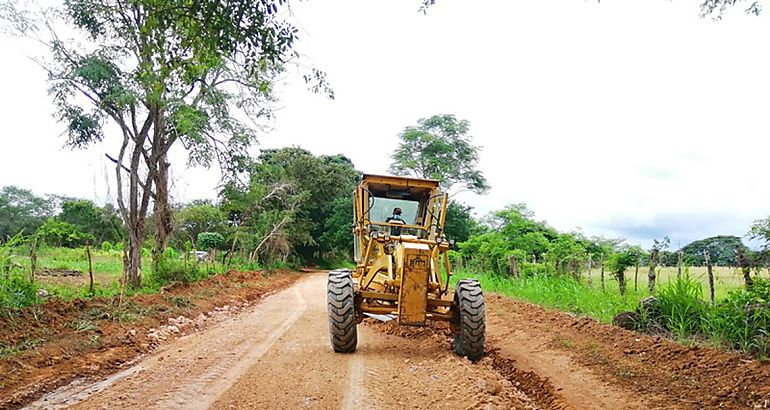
[381, 257]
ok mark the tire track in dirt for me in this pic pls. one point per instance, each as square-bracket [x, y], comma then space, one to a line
[354, 395]
[277, 355]
[207, 386]
[190, 372]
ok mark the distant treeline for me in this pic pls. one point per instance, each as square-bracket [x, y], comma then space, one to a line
[513, 239]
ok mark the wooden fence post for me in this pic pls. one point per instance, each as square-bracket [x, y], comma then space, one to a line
[90, 271]
[590, 277]
[651, 273]
[32, 259]
[710, 274]
[602, 274]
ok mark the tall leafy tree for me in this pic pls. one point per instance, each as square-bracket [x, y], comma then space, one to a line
[56, 232]
[22, 211]
[165, 73]
[101, 223]
[198, 217]
[440, 148]
[721, 249]
[619, 261]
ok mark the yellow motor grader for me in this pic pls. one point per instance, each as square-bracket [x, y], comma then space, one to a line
[402, 266]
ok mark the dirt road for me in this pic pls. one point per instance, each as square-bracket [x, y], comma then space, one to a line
[277, 355]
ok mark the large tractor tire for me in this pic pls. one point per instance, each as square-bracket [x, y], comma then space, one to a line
[342, 311]
[469, 319]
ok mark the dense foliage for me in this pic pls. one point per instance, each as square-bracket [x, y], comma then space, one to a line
[721, 249]
[23, 211]
[513, 239]
[295, 205]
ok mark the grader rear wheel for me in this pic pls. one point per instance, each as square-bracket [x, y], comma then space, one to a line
[469, 319]
[342, 311]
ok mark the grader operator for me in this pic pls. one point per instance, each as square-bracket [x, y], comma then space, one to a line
[402, 266]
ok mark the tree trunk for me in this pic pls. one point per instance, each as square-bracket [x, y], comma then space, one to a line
[636, 276]
[158, 162]
[651, 273]
[602, 272]
[134, 209]
[747, 277]
[514, 267]
[590, 277]
[745, 264]
[622, 282]
[132, 258]
[162, 217]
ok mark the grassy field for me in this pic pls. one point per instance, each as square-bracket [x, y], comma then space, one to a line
[725, 278]
[107, 268]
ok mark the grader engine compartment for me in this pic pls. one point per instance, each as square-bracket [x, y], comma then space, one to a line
[402, 266]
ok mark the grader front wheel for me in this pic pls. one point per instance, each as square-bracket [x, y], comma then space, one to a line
[342, 311]
[469, 319]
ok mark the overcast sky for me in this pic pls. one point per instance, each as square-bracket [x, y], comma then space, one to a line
[628, 118]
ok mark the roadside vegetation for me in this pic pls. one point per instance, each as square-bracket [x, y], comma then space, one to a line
[512, 253]
[291, 209]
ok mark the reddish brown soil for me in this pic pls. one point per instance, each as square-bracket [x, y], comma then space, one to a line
[666, 374]
[277, 355]
[60, 341]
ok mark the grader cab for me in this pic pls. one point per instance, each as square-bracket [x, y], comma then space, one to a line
[402, 266]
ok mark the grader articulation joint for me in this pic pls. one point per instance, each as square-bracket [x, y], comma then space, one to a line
[402, 266]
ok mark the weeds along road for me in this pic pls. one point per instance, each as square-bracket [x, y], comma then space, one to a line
[277, 355]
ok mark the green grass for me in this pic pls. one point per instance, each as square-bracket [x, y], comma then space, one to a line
[563, 293]
[726, 279]
[739, 319]
[105, 263]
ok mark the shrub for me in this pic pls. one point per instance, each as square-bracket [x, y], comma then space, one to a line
[742, 320]
[106, 246]
[171, 253]
[16, 291]
[681, 305]
[171, 270]
[209, 240]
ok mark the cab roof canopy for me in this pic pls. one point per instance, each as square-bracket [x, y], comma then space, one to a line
[387, 186]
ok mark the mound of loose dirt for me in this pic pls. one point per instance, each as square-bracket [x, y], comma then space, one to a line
[538, 389]
[46, 346]
[59, 272]
[436, 330]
